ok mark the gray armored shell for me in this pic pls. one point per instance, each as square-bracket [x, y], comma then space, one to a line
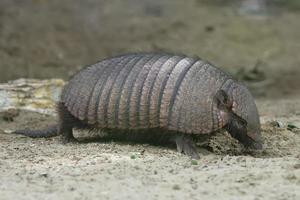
[141, 91]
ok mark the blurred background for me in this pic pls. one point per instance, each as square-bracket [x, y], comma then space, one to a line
[256, 41]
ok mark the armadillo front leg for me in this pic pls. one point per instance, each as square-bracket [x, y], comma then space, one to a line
[186, 145]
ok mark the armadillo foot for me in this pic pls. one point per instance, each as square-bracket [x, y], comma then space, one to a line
[186, 145]
[66, 140]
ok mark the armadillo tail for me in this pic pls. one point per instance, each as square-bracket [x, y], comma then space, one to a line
[51, 131]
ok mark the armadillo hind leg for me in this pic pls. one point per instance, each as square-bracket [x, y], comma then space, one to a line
[186, 145]
[66, 123]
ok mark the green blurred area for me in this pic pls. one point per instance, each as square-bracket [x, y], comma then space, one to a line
[54, 39]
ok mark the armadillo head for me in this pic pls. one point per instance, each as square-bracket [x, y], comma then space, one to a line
[238, 106]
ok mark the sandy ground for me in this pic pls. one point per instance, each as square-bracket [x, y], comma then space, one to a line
[48, 169]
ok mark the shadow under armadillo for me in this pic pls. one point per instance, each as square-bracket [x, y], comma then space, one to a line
[154, 137]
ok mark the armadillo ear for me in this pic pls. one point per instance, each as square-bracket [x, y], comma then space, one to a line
[222, 100]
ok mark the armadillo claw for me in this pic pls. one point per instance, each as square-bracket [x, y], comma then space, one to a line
[186, 145]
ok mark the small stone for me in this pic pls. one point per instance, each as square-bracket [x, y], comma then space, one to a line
[194, 162]
[252, 184]
[45, 175]
[133, 157]
[176, 187]
[209, 28]
[291, 127]
[297, 166]
[93, 163]
[277, 124]
[291, 176]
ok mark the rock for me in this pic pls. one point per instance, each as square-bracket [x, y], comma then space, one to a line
[29, 94]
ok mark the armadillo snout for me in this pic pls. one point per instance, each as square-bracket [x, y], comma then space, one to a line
[244, 123]
[256, 146]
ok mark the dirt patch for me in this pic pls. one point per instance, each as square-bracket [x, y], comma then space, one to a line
[47, 168]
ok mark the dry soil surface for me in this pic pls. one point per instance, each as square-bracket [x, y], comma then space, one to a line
[49, 169]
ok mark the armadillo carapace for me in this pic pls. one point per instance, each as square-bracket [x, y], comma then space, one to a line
[164, 92]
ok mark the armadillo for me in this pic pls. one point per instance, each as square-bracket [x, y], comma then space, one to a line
[154, 92]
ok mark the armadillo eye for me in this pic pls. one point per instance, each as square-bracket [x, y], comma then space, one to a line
[243, 122]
